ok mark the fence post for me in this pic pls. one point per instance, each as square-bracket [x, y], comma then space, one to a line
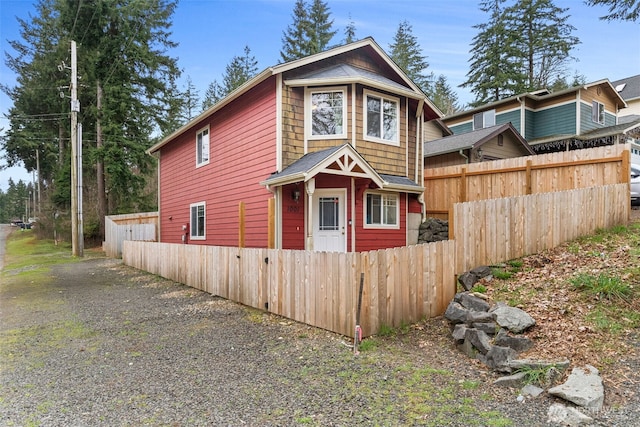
[241, 225]
[528, 177]
[463, 185]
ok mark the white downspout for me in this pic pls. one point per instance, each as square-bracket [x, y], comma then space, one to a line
[461, 152]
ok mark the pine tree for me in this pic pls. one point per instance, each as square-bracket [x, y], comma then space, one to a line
[122, 62]
[309, 33]
[495, 69]
[240, 70]
[619, 10]
[543, 38]
[350, 32]
[405, 51]
[444, 97]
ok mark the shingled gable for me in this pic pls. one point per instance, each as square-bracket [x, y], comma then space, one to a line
[353, 74]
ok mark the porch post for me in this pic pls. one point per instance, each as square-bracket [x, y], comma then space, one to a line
[311, 188]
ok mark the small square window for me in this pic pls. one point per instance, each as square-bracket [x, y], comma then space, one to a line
[197, 223]
[327, 114]
[484, 120]
[202, 147]
[381, 210]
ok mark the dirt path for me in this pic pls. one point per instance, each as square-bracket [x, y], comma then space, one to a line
[94, 343]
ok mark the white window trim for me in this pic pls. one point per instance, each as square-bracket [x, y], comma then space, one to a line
[307, 112]
[191, 225]
[595, 110]
[365, 93]
[485, 115]
[381, 226]
[206, 162]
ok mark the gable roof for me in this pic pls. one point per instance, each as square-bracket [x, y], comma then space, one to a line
[628, 88]
[473, 139]
[342, 160]
[410, 89]
[542, 95]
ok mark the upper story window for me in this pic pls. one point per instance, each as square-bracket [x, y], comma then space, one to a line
[381, 118]
[327, 116]
[597, 112]
[202, 147]
[382, 210]
[196, 226]
[484, 120]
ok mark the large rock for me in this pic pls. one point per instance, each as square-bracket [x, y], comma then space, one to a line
[472, 302]
[519, 344]
[479, 339]
[583, 387]
[512, 318]
[562, 415]
[498, 358]
[456, 313]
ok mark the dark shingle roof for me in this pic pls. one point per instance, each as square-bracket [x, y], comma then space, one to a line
[463, 141]
[631, 89]
[346, 72]
[305, 163]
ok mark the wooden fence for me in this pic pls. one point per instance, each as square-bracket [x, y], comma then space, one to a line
[492, 231]
[521, 176]
[401, 285]
[118, 228]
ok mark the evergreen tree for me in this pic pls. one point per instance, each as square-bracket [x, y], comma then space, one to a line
[126, 81]
[350, 32]
[190, 97]
[405, 51]
[444, 97]
[309, 33]
[620, 10]
[240, 70]
[495, 69]
[544, 39]
[320, 27]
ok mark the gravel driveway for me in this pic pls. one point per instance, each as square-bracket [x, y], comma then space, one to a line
[95, 343]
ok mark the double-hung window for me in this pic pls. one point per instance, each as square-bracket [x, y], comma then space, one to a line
[202, 147]
[197, 223]
[327, 113]
[597, 112]
[382, 210]
[484, 120]
[381, 118]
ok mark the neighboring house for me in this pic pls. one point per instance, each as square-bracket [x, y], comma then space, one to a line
[321, 153]
[551, 121]
[491, 143]
[629, 90]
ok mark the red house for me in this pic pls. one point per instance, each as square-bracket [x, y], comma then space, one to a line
[322, 153]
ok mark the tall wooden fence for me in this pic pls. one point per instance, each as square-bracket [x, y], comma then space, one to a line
[521, 176]
[138, 226]
[487, 232]
[401, 285]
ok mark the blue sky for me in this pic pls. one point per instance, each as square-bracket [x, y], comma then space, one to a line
[211, 32]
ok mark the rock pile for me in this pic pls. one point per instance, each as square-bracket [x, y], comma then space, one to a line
[491, 334]
[433, 230]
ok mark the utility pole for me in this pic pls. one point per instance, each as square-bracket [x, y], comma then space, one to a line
[76, 227]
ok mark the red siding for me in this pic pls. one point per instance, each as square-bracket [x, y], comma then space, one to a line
[293, 218]
[369, 239]
[242, 153]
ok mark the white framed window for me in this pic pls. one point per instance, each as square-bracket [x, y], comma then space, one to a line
[326, 115]
[381, 210]
[197, 229]
[202, 147]
[381, 118]
[484, 120]
[597, 112]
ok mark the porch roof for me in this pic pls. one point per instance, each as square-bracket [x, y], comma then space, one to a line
[339, 160]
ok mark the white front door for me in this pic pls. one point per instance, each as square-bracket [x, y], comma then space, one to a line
[329, 221]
